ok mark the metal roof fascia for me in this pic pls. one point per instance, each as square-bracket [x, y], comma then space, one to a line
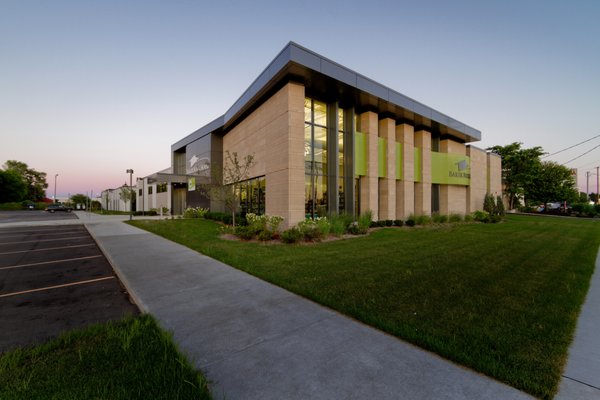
[197, 134]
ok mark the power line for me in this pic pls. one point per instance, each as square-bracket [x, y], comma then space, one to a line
[581, 155]
[568, 148]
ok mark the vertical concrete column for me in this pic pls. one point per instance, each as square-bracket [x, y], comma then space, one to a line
[405, 185]
[453, 198]
[423, 188]
[278, 124]
[477, 188]
[387, 185]
[369, 185]
[494, 169]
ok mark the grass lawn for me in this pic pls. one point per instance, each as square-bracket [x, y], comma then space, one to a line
[130, 359]
[502, 299]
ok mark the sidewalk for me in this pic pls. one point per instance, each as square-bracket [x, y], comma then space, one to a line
[581, 377]
[254, 340]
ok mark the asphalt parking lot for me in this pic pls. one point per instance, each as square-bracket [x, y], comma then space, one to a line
[54, 279]
[34, 215]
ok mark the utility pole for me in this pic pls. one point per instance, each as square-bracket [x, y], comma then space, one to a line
[597, 184]
[587, 184]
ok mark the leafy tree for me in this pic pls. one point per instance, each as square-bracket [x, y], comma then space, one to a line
[80, 199]
[552, 182]
[12, 187]
[224, 182]
[35, 180]
[127, 194]
[583, 197]
[519, 166]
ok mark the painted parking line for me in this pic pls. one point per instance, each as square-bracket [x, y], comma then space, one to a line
[50, 262]
[44, 240]
[8, 231]
[41, 234]
[57, 286]
[49, 248]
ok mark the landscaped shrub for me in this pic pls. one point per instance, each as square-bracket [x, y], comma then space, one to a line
[439, 218]
[324, 225]
[481, 216]
[310, 230]
[423, 220]
[489, 204]
[339, 223]
[265, 235]
[410, 221]
[389, 222]
[468, 218]
[380, 223]
[398, 222]
[454, 218]
[499, 209]
[364, 221]
[292, 235]
[194, 212]
[244, 232]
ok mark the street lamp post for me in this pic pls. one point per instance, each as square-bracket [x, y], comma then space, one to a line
[130, 172]
[55, 176]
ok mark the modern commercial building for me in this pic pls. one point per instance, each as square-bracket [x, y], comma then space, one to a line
[154, 192]
[115, 199]
[327, 139]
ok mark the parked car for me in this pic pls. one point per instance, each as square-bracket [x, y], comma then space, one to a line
[58, 207]
[29, 206]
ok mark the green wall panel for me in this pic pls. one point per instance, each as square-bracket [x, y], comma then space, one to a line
[398, 161]
[360, 154]
[450, 169]
[381, 157]
[417, 164]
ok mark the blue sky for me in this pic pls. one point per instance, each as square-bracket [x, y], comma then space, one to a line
[89, 89]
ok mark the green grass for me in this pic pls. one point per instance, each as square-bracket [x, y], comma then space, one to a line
[130, 359]
[502, 299]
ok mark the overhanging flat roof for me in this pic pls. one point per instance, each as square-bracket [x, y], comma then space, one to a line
[327, 78]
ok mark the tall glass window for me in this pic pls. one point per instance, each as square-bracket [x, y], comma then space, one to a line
[341, 175]
[252, 195]
[315, 157]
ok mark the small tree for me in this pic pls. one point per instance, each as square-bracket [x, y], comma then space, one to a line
[127, 194]
[79, 199]
[225, 181]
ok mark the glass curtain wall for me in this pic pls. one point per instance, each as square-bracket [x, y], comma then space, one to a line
[315, 158]
[252, 196]
[341, 174]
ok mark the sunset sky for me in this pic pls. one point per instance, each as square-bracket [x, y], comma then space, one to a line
[89, 89]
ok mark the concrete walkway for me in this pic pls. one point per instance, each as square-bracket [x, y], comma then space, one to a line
[581, 377]
[254, 340]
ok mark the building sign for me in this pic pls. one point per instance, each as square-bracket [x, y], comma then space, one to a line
[198, 165]
[191, 184]
[450, 169]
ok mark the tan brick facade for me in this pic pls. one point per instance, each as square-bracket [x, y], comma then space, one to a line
[369, 184]
[453, 198]
[387, 185]
[423, 188]
[479, 175]
[405, 186]
[274, 133]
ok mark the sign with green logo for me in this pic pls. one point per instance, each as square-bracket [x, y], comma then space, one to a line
[450, 169]
[191, 184]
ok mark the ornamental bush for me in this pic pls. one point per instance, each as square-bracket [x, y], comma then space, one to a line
[292, 235]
